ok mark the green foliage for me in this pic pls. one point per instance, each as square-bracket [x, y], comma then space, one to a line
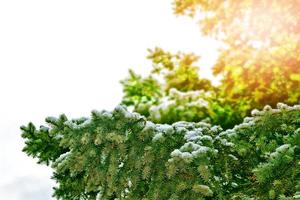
[44, 143]
[140, 92]
[174, 91]
[121, 155]
[195, 106]
[178, 70]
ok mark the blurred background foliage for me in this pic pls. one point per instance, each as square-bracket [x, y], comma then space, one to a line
[258, 63]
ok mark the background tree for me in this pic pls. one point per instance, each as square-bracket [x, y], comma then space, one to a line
[260, 62]
[178, 70]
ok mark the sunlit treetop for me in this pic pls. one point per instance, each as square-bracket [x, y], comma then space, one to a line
[261, 60]
[243, 19]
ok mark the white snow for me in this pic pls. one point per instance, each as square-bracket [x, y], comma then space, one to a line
[157, 137]
[282, 106]
[192, 135]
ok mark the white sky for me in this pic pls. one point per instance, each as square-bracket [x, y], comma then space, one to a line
[68, 56]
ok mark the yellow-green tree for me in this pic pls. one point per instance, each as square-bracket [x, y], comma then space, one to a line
[261, 62]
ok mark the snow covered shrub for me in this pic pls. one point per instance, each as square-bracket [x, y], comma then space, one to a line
[121, 155]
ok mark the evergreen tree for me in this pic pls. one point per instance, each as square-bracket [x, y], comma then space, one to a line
[121, 155]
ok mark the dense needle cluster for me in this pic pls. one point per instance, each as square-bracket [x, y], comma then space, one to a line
[121, 155]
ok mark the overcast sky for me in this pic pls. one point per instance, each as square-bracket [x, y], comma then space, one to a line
[68, 56]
